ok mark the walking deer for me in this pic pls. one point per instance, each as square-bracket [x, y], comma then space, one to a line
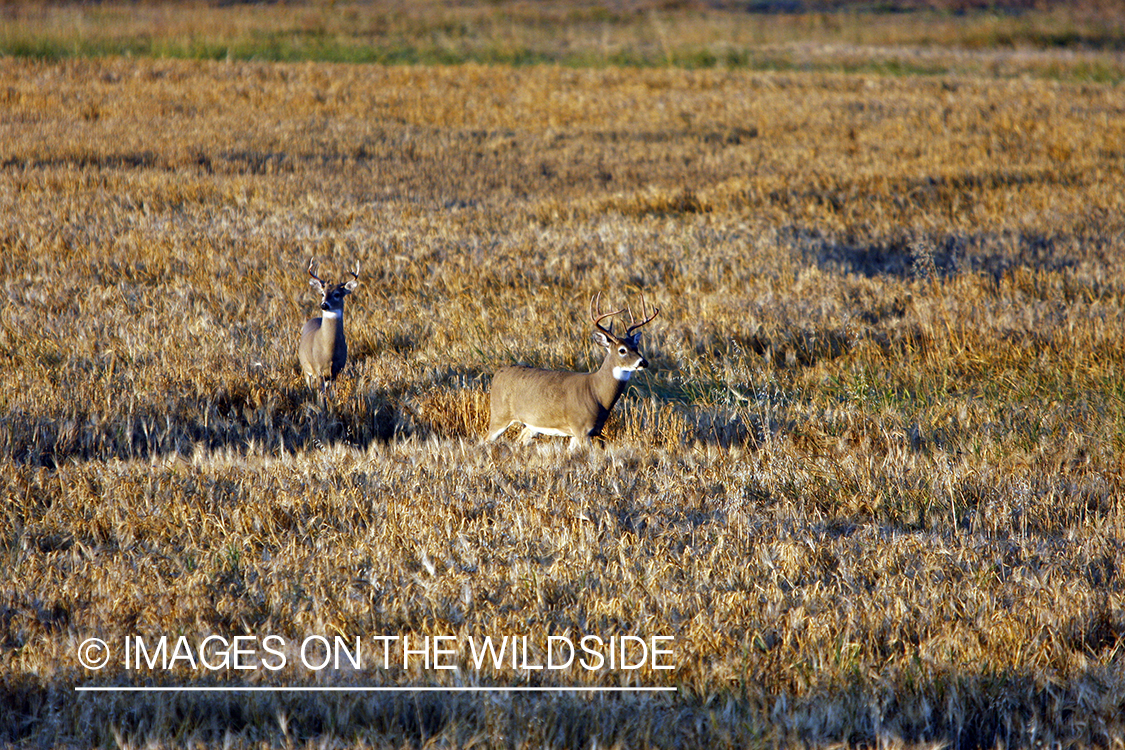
[569, 404]
[323, 351]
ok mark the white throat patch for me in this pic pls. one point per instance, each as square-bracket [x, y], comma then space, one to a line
[622, 374]
[330, 314]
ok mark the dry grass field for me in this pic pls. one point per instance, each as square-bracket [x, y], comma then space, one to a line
[871, 488]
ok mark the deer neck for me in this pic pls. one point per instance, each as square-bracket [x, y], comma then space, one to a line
[608, 383]
[331, 326]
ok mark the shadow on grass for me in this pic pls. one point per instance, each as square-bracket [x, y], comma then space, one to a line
[292, 419]
[55, 715]
[906, 257]
[963, 710]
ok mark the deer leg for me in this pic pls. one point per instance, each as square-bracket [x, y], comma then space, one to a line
[580, 441]
[495, 430]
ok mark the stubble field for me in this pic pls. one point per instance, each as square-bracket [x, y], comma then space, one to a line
[871, 487]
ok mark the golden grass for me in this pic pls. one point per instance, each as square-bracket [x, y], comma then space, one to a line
[872, 485]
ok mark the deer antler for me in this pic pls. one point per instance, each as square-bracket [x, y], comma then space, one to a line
[599, 316]
[635, 325]
[312, 265]
[355, 273]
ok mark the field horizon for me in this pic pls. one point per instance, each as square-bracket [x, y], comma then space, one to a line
[869, 493]
[1080, 40]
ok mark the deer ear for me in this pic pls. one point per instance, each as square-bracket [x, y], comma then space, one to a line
[602, 340]
[351, 285]
[315, 284]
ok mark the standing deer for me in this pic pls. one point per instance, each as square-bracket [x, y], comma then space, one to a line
[569, 404]
[323, 351]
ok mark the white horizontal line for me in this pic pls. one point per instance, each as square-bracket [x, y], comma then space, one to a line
[361, 689]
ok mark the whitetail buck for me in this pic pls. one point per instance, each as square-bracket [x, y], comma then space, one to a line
[569, 404]
[323, 351]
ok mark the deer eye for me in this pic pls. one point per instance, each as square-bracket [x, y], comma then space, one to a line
[621, 350]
